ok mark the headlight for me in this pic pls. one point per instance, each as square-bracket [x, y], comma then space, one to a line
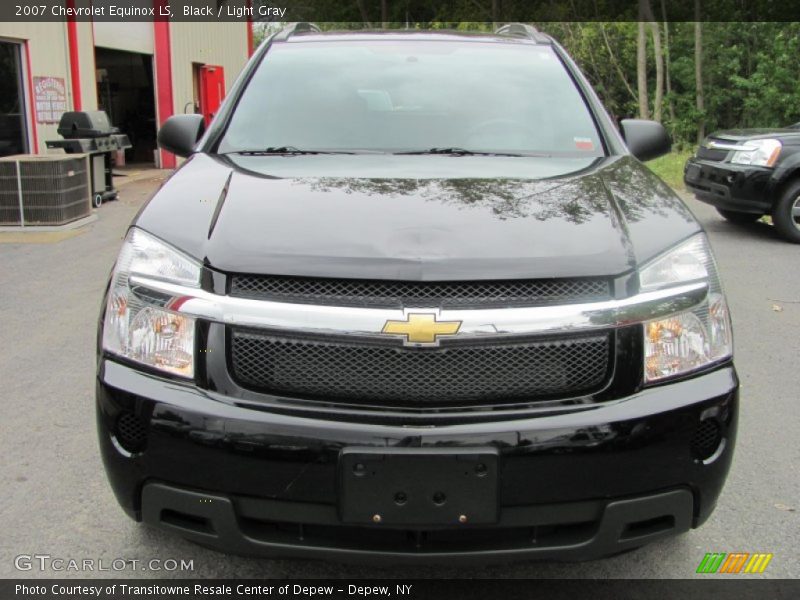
[759, 153]
[693, 339]
[684, 264]
[139, 325]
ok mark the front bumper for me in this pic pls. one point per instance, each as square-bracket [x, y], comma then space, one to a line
[575, 482]
[741, 188]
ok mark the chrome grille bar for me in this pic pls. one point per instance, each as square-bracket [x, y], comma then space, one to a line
[369, 322]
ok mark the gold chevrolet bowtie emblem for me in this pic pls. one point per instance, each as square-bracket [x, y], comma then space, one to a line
[421, 328]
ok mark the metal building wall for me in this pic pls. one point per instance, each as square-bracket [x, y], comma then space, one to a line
[130, 36]
[222, 44]
[45, 52]
[87, 66]
[48, 54]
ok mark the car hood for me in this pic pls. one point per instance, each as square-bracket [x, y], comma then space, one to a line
[739, 135]
[417, 217]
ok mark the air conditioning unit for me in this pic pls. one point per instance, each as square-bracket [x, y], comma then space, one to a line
[44, 189]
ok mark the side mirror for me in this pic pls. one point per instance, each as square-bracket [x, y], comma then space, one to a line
[180, 133]
[645, 139]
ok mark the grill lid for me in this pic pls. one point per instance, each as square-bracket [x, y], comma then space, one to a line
[85, 124]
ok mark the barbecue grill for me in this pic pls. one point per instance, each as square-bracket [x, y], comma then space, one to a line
[90, 132]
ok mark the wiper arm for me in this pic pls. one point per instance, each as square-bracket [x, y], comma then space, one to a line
[459, 152]
[289, 150]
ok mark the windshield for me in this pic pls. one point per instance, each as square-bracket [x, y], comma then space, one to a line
[394, 96]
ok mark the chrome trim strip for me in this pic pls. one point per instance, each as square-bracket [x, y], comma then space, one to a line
[724, 146]
[356, 321]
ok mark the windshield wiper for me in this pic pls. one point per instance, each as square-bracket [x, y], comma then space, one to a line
[452, 151]
[288, 150]
[460, 152]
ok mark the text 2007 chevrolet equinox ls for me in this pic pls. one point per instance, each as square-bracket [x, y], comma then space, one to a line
[413, 297]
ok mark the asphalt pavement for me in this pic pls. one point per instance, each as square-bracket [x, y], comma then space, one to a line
[56, 502]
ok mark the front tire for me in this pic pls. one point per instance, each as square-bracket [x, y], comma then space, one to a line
[734, 216]
[786, 213]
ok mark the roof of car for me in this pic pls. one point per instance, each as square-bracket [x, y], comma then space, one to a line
[513, 33]
[409, 36]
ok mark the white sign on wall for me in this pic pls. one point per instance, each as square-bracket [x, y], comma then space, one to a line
[50, 96]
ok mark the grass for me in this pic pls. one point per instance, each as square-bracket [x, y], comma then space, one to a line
[670, 167]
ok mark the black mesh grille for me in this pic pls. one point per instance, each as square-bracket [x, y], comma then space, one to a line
[454, 374]
[706, 438]
[712, 153]
[378, 293]
[131, 432]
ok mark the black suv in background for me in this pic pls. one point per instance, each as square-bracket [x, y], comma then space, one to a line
[749, 173]
[413, 297]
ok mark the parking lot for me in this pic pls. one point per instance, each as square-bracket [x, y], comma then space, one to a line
[56, 500]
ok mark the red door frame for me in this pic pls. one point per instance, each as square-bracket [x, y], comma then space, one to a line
[163, 72]
[212, 90]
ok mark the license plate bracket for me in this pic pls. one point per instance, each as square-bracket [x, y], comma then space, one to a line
[418, 487]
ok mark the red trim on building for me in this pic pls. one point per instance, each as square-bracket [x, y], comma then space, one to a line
[249, 29]
[31, 101]
[163, 68]
[74, 60]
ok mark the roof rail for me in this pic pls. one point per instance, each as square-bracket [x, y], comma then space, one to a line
[293, 28]
[522, 30]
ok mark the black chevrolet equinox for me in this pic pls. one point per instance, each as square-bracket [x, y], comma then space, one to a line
[413, 297]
